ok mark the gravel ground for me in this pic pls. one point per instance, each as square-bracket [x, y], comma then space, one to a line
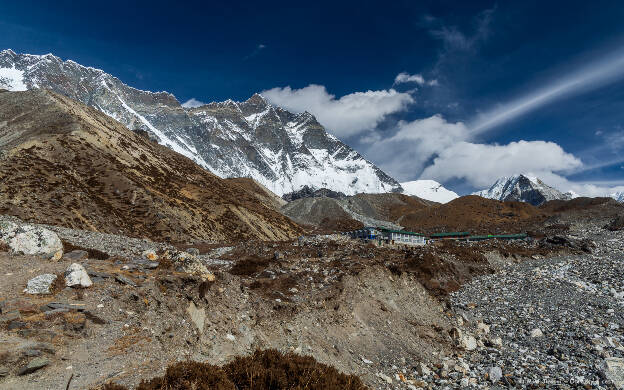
[559, 320]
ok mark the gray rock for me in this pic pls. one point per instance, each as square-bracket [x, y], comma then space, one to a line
[40, 284]
[463, 340]
[537, 332]
[422, 369]
[61, 306]
[76, 276]
[27, 239]
[4, 372]
[34, 365]
[193, 251]
[123, 280]
[10, 316]
[495, 373]
[614, 370]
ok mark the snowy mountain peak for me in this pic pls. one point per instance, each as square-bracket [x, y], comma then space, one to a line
[429, 190]
[281, 150]
[522, 188]
[619, 196]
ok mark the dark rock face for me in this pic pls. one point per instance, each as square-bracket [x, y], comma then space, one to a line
[279, 149]
[307, 192]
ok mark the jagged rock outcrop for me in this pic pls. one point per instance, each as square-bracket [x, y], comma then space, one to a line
[307, 192]
[281, 150]
[523, 188]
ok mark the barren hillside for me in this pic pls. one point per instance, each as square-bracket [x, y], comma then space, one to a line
[67, 164]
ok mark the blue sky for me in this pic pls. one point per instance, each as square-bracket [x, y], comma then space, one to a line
[488, 88]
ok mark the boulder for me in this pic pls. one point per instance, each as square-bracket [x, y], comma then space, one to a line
[537, 332]
[76, 276]
[150, 255]
[495, 374]
[185, 262]
[40, 284]
[614, 370]
[27, 239]
[34, 365]
[422, 369]
[463, 340]
[483, 328]
[193, 251]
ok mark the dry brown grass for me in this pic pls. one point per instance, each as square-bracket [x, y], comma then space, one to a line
[264, 370]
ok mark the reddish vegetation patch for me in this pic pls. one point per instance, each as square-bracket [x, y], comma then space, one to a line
[475, 214]
[264, 370]
[443, 268]
[250, 265]
[577, 204]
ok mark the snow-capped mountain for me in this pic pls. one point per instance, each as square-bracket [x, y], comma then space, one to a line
[281, 150]
[619, 196]
[522, 188]
[429, 190]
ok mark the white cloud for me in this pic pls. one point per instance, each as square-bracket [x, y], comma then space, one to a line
[405, 154]
[454, 39]
[405, 77]
[192, 103]
[481, 164]
[351, 114]
[255, 51]
[587, 78]
[433, 148]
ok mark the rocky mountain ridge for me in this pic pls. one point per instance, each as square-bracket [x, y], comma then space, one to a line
[67, 164]
[523, 188]
[281, 150]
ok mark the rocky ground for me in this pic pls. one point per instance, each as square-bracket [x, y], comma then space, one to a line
[545, 313]
[543, 323]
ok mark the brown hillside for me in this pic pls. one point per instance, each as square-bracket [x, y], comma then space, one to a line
[353, 212]
[475, 214]
[263, 194]
[67, 164]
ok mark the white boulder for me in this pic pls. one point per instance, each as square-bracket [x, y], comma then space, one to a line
[76, 276]
[614, 370]
[185, 262]
[537, 332]
[40, 284]
[24, 239]
[495, 374]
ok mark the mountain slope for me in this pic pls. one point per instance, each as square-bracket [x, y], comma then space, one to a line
[368, 209]
[429, 190]
[280, 150]
[476, 215]
[67, 164]
[522, 188]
